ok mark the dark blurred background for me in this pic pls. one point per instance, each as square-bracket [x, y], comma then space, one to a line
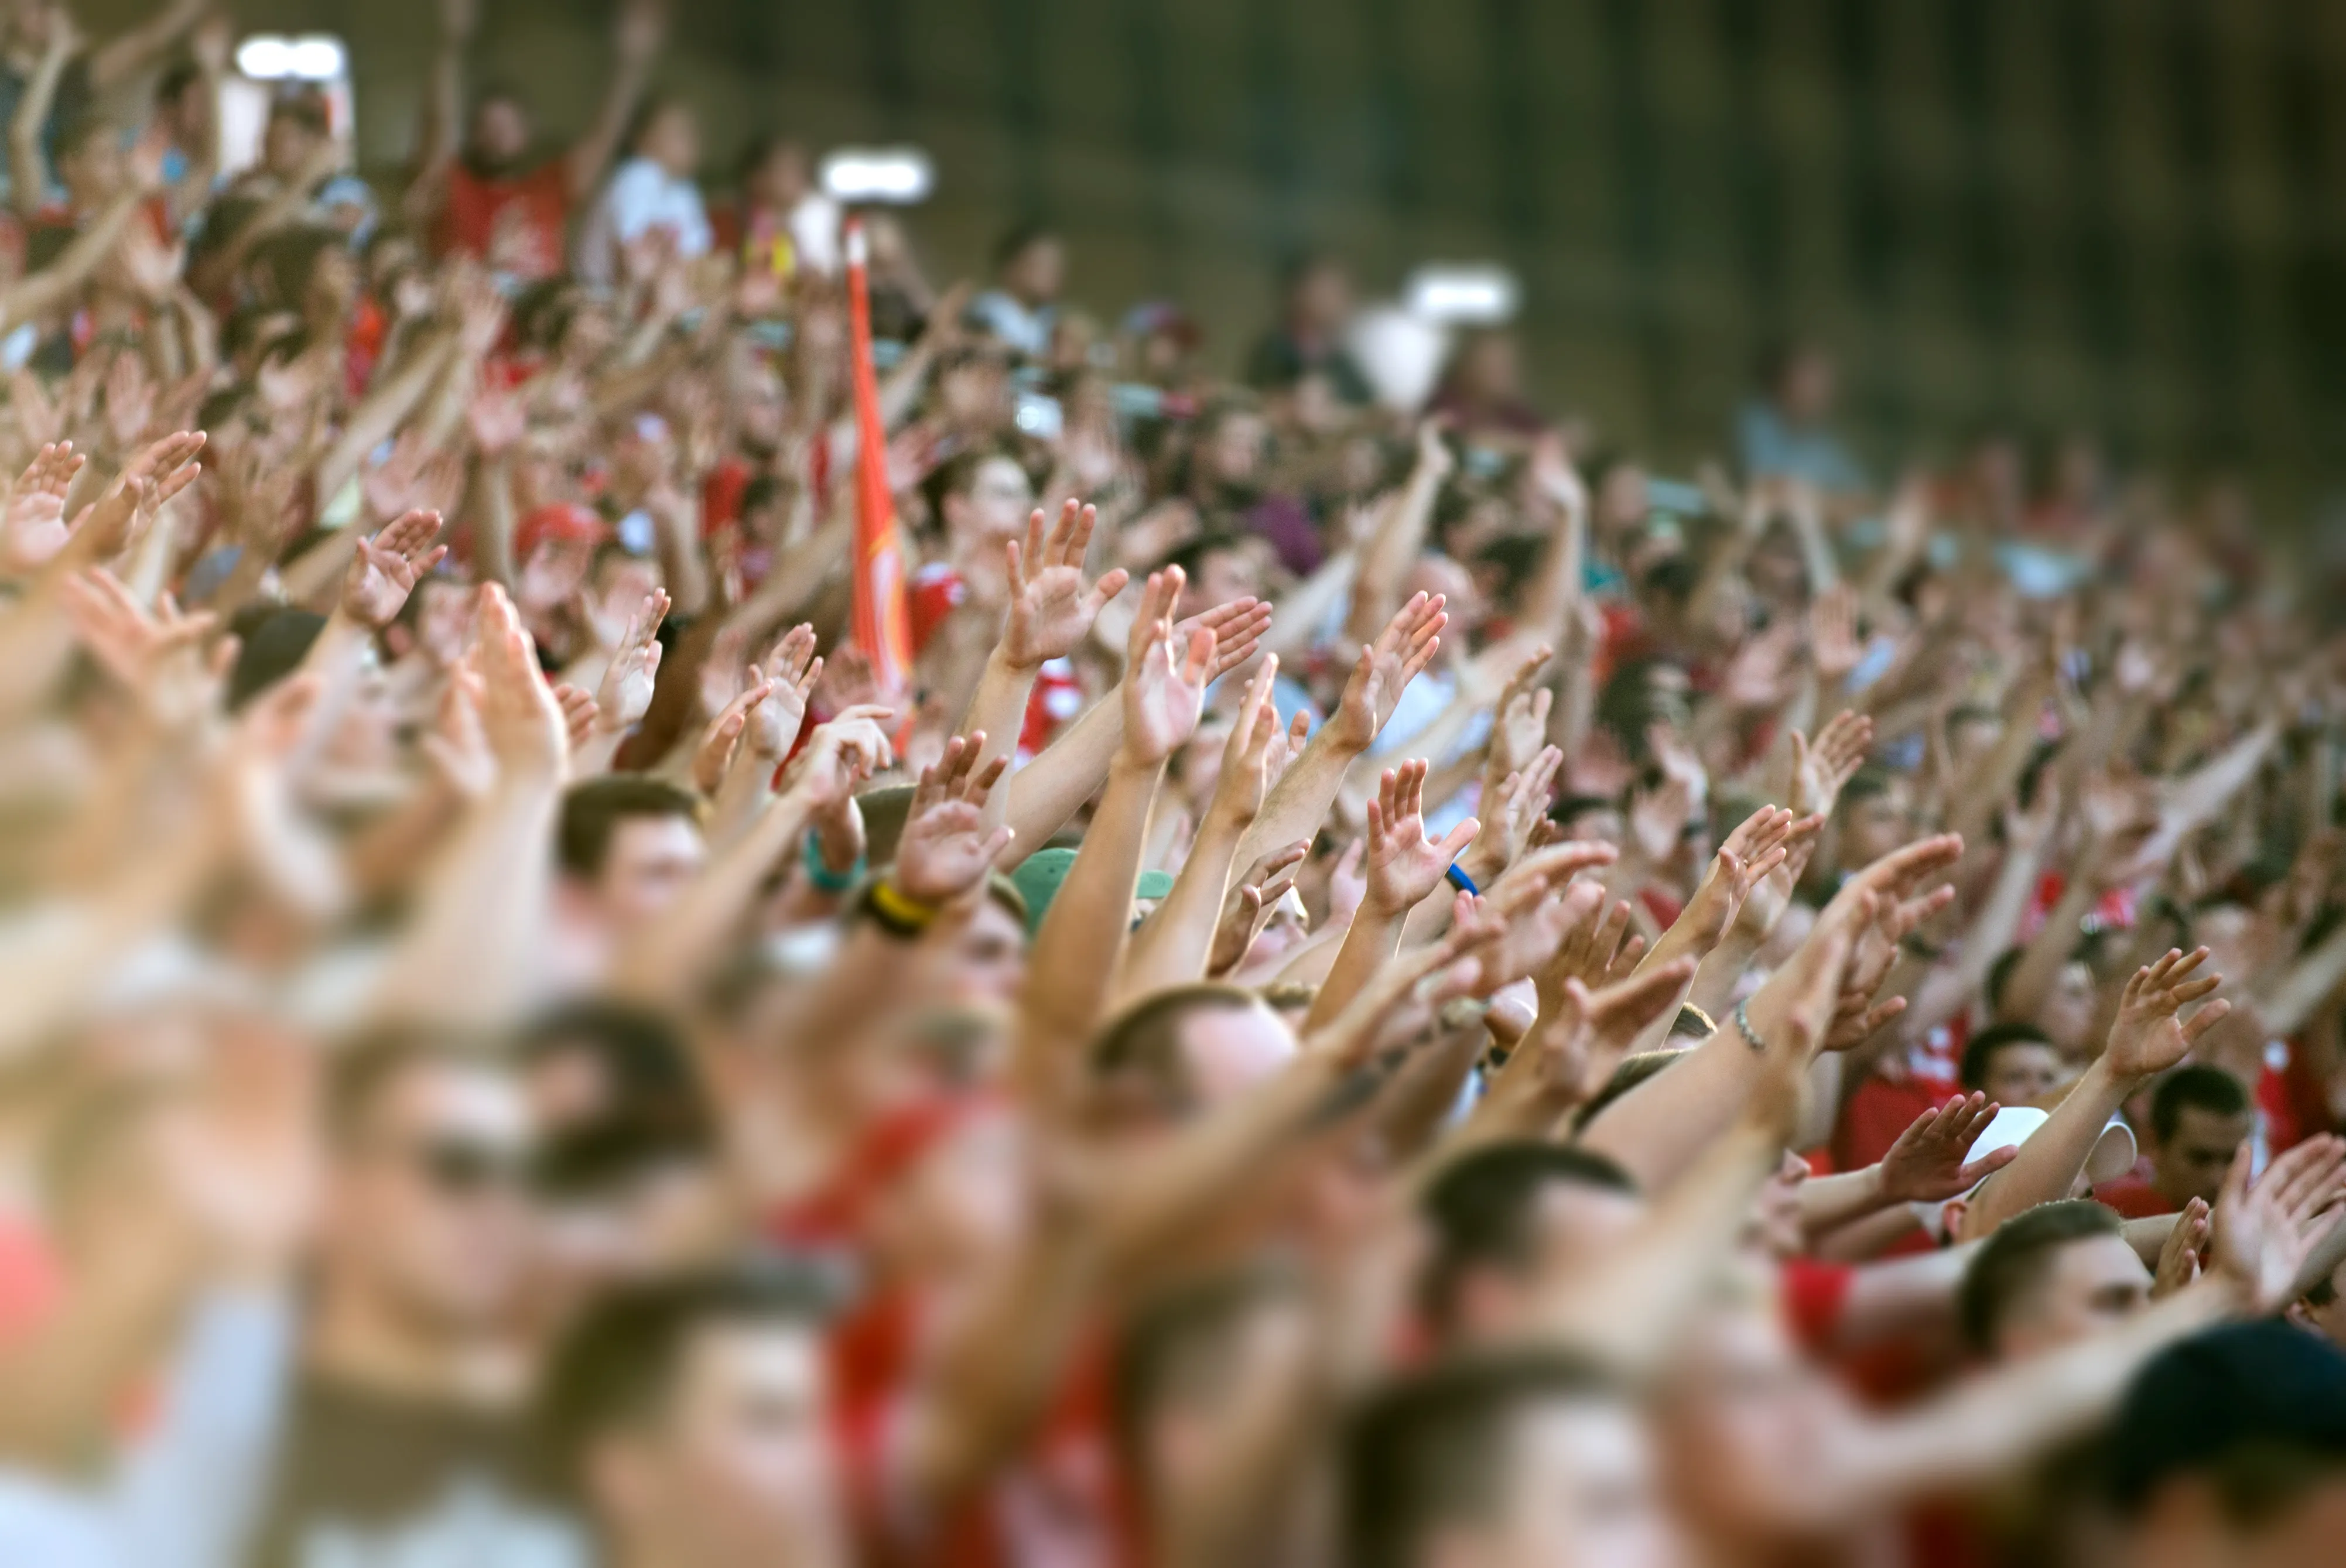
[2124, 214]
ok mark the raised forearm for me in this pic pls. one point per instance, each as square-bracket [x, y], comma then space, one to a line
[2054, 1156]
[1172, 944]
[1082, 937]
[1299, 802]
[471, 959]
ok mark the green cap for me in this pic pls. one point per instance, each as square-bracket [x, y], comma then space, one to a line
[1038, 877]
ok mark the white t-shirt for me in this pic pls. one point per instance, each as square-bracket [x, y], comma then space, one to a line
[642, 196]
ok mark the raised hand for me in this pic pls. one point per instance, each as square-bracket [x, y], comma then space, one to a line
[1597, 948]
[1832, 635]
[457, 745]
[1822, 767]
[1237, 629]
[387, 569]
[413, 478]
[1403, 865]
[1512, 807]
[1519, 722]
[1538, 910]
[1050, 607]
[789, 672]
[625, 694]
[1758, 846]
[2147, 1036]
[1385, 668]
[158, 654]
[945, 851]
[723, 736]
[2185, 1245]
[33, 530]
[2260, 1239]
[1251, 896]
[1164, 687]
[519, 714]
[1585, 1033]
[1926, 1164]
[1249, 767]
[855, 741]
[158, 473]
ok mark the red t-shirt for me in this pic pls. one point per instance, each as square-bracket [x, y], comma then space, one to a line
[2135, 1198]
[517, 225]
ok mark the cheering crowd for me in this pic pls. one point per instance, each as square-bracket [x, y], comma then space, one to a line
[1346, 981]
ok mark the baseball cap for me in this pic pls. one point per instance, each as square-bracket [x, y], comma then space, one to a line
[563, 520]
[1038, 877]
[2244, 1387]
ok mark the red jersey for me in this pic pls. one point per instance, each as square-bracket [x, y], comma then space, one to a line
[517, 226]
[2135, 1198]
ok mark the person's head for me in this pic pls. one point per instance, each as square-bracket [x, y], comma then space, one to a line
[1484, 370]
[1973, 730]
[2012, 1064]
[1877, 816]
[777, 173]
[1183, 1366]
[2050, 1276]
[1031, 264]
[1798, 378]
[499, 135]
[428, 1226]
[298, 126]
[2321, 1310]
[1595, 819]
[435, 621]
[90, 161]
[628, 844]
[1228, 443]
[668, 132]
[2230, 1448]
[981, 497]
[1183, 1050]
[308, 270]
[1508, 1218]
[985, 957]
[1528, 1460]
[1217, 569]
[2198, 1118]
[694, 1420]
[1318, 291]
[1746, 1425]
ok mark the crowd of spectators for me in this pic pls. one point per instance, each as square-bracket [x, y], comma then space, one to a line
[1390, 989]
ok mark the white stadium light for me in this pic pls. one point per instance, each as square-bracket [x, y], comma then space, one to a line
[895, 176]
[1474, 294]
[313, 57]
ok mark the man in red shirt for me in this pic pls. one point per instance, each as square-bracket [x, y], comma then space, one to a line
[487, 199]
[2197, 1119]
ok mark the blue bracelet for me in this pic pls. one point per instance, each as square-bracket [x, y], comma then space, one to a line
[1462, 882]
[823, 876]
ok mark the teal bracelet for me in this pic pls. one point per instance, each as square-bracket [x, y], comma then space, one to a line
[823, 876]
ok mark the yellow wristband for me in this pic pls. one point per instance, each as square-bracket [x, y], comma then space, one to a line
[891, 907]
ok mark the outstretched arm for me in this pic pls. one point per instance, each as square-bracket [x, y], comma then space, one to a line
[1081, 942]
[642, 28]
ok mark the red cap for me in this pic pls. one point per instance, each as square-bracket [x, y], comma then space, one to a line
[563, 521]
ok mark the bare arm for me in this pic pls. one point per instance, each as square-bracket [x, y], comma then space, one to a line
[642, 28]
[114, 62]
[27, 169]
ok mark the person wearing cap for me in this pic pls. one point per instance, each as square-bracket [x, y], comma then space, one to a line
[2148, 1037]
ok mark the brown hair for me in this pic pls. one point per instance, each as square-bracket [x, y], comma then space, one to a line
[592, 812]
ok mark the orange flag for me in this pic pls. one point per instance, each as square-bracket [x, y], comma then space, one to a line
[878, 624]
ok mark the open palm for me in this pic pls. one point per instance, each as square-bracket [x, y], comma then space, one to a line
[1051, 606]
[1403, 865]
